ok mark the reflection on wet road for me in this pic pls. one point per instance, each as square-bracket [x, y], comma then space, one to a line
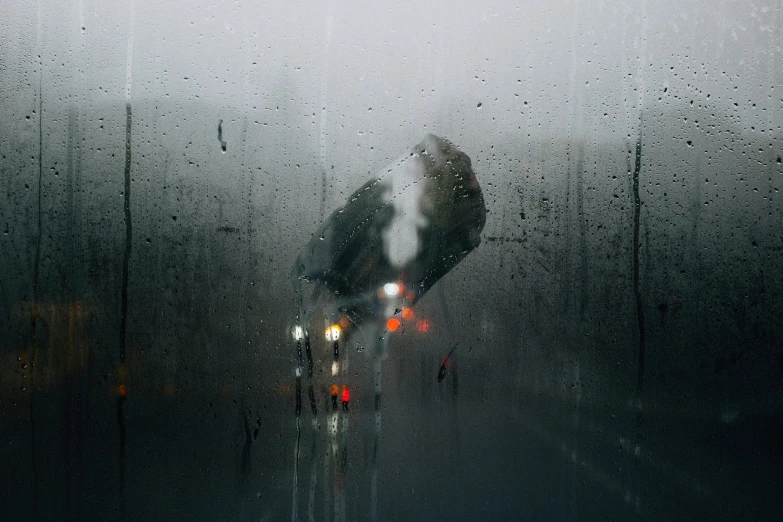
[442, 458]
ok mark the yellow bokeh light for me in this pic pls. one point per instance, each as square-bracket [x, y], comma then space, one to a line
[333, 332]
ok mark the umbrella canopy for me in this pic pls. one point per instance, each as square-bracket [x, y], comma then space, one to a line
[412, 224]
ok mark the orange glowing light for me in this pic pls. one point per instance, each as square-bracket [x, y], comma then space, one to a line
[346, 394]
[122, 390]
[334, 390]
[344, 322]
[407, 314]
[392, 324]
[423, 326]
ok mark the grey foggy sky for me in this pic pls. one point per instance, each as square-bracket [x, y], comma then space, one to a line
[416, 64]
[355, 83]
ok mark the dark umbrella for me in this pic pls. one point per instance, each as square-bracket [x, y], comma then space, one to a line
[411, 224]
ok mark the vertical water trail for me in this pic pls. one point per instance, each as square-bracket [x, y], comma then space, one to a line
[124, 293]
[33, 355]
[302, 334]
[637, 200]
[335, 418]
[574, 134]
[313, 472]
[339, 501]
[324, 73]
[299, 333]
[339, 452]
[376, 449]
[297, 412]
[636, 292]
[295, 489]
[299, 302]
[584, 270]
[223, 144]
[314, 409]
[126, 255]
[327, 461]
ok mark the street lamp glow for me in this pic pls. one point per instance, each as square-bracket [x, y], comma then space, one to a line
[298, 332]
[333, 333]
[391, 289]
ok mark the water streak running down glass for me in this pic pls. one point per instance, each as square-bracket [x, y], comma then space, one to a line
[214, 214]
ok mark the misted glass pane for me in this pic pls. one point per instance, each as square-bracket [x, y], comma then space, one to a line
[349, 260]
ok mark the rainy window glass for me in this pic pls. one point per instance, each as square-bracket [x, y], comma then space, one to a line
[378, 261]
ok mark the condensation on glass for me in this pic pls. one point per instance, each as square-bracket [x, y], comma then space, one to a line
[558, 227]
